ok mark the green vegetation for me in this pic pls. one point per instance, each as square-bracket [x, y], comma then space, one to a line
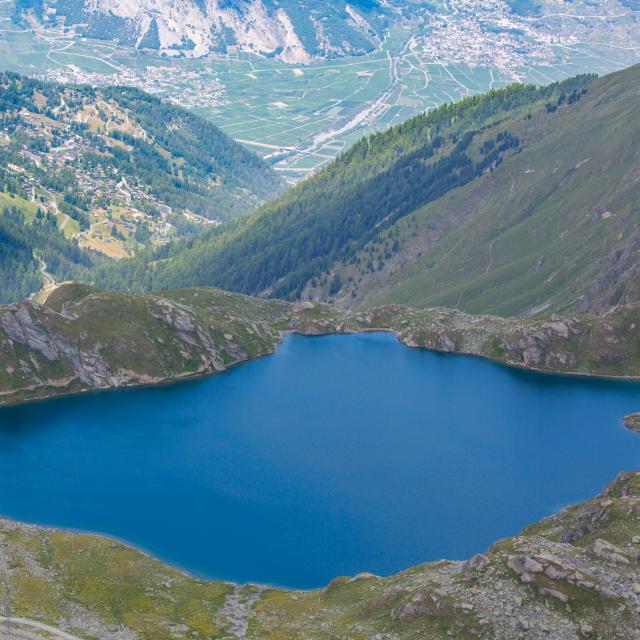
[553, 228]
[498, 204]
[115, 585]
[292, 242]
[111, 171]
[571, 575]
[184, 161]
[24, 244]
[237, 91]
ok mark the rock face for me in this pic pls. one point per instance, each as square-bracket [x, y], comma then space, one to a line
[605, 345]
[84, 338]
[618, 282]
[293, 31]
[607, 551]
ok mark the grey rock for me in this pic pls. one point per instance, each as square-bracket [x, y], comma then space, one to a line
[474, 565]
[607, 551]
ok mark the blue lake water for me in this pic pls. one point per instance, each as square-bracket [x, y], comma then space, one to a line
[336, 455]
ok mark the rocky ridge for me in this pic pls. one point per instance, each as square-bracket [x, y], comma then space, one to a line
[83, 338]
[292, 32]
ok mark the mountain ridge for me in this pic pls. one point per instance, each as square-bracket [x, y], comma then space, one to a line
[290, 31]
[83, 339]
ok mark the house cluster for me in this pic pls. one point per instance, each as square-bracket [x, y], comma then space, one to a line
[196, 86]
[113, 198]
[489, 33]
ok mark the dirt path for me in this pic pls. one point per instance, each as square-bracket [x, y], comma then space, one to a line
[25, 629]
[237, 607]
[49, 280]
[49, 285]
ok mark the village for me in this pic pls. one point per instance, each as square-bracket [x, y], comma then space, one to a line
[59, 163]
[478, 34]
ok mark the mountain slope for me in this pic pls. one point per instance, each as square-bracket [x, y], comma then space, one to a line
[294, 31]
[518, 201]
[114, 170]
[554, 227]
[180, 159]
[31, 246]
[295, 240]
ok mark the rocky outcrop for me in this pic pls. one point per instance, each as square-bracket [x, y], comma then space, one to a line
[88, 339]
[103, 340]
[619, 280]
[18, 324]
[284, 31]
[632, 421]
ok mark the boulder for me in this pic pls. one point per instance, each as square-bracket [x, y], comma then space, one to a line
[607, 551]
[474, 565]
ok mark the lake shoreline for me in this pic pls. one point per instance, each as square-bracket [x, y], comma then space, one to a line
[222, 420]
[168, 472]
[192, 575]
[196, 375]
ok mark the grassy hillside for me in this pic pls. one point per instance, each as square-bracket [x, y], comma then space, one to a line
[332, 215]
[83, 338]
[570, 576]
[520, 201]
[554, 227]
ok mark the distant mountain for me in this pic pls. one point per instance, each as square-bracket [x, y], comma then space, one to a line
[520, 201]
[290, 30]
[507, 34]
[110, 170]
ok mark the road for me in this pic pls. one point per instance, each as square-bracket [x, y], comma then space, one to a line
[25, 629]
[49, 280]
[49, 285]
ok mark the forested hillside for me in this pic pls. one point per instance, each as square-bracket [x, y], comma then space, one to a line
[180, 159]
[111, 170]
[26, 248]
[292, 244]
[556, 227]
[523, 200]
[520, 201]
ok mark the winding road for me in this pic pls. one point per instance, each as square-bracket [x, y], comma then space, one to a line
[49, 284]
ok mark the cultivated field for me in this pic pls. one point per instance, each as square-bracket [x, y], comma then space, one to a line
[302, 116]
